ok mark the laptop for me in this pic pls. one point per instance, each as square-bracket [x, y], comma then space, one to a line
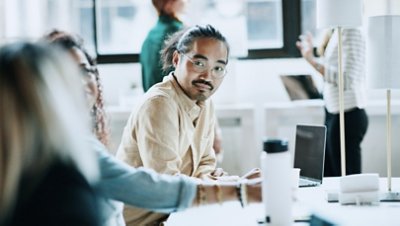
[309, 154]
[300, 87]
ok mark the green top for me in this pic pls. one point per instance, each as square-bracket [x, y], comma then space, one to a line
[150, 54]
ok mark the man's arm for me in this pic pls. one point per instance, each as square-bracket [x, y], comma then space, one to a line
[157, 133]
[207, 164]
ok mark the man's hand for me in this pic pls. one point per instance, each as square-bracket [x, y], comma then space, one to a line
[219, 172]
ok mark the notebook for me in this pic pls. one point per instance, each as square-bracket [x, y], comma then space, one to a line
[309, 154]
[300, 87]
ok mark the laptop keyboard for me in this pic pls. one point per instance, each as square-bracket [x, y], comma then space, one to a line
[307, 183]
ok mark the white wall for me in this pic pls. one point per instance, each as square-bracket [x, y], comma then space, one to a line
[252, 81]
[255, 83]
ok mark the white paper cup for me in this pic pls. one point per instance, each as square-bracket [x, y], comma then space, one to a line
[295, 182]
[295, 177]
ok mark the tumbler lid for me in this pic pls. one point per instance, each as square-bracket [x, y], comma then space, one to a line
[275, 145]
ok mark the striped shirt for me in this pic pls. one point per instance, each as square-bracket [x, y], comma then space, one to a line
[353, 67]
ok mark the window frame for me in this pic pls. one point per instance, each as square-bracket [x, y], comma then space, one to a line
[291, 10]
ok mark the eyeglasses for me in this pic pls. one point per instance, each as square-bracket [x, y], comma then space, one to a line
[201, 66]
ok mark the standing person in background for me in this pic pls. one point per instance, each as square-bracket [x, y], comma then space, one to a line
[46, 167]
[356, 119]
[167, 24]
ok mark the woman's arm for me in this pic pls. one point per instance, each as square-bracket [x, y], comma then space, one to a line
[142, 187]
[164, 193]
[245, 191]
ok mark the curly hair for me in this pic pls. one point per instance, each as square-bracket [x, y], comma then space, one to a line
[100, 123]
[101, 126]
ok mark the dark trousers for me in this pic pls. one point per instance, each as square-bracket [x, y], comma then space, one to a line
[356, 124]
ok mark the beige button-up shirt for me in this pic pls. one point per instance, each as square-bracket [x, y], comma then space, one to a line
[171, 134]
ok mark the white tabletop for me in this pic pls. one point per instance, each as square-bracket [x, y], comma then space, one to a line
[310, 201]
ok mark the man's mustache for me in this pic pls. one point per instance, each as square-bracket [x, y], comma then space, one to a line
[203, 82]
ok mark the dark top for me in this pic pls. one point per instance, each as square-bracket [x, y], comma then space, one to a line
[152, 45]
[62, 197]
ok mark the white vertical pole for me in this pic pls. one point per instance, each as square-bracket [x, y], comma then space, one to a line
[341, 106]
[389, 139]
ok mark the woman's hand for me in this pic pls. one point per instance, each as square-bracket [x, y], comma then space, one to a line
[254, 173]
[305, 45]
[219, 172]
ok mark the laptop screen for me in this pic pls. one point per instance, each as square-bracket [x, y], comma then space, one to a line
[309, 150]
[300, 87]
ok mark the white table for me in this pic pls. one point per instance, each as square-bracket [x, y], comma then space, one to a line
[310, 201]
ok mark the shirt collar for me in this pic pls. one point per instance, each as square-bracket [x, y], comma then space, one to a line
[168, 18]
[192, 107]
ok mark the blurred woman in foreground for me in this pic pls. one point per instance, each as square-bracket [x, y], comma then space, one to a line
[46, 170]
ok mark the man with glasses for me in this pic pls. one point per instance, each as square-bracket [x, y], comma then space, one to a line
[172, 129]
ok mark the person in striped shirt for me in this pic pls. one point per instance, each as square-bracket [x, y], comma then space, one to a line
[356, 118]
